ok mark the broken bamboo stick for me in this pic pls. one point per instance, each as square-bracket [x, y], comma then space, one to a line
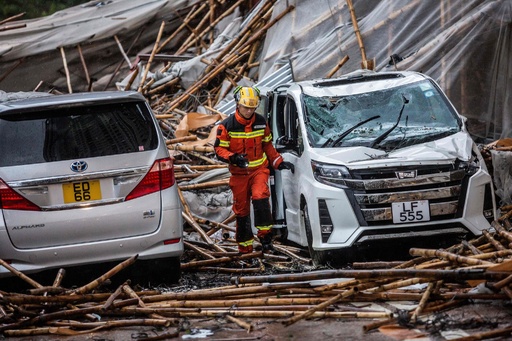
[66, 70]
[20, 274]
[95, 283]
[151, 57]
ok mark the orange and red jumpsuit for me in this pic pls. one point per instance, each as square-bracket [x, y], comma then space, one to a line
[237, 135]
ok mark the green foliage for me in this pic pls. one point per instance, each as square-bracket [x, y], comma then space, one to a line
[34, 8]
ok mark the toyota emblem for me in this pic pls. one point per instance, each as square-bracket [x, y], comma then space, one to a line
[78, 166]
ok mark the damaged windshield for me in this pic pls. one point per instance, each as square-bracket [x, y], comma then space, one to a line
[386, 119]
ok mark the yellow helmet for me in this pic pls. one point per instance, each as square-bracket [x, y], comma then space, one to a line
[247, 96]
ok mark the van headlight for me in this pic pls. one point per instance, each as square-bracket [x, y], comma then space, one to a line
[332, 175]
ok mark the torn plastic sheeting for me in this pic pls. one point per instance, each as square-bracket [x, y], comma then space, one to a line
[502, 165]
[210, 205]
[462, 45]
[77, 25]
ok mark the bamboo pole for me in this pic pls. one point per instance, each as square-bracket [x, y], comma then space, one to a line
[497, 245]
[115, 295]
[201, 232]
[204, 158]
[206, 294]
[132, 294]
[195, 33]
[212, 24]
[507, 291]
[132, 79]
[245, 302]
[151, 57]
[198, 250]
[231, 270]
[337, 67]
[423, 302]
[292, 255]
[66, 70]
[188, 148]
[456, 274]
[182, 139]
[446, 255]
[205, 185]
[376, 265]
[501, 231]
[12, 18]
[95, 283]
[471, 248]
[20, 274]
[94, 327]
[503, 283]
[209, 75]
[84, 65]
[120, 64]
[239, 322]
[215, 261]
[493, 334]
[47, 290]
[12, 27]
[364, 61]
[194, 12]
[121, 49]
[162, 88]
[215, 226]
[327, 303]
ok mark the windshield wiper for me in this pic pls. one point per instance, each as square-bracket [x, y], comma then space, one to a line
[380, 138]
[346, 132]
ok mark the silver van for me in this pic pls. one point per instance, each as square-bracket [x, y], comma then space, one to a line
[86, 178]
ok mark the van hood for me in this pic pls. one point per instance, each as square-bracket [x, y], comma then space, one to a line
[443, 150]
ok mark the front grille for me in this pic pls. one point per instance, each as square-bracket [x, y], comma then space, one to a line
[373, 191]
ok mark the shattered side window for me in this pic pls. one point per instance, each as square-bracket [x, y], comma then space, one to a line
[387, 119]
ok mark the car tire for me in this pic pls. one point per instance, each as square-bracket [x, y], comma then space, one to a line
[318, 257]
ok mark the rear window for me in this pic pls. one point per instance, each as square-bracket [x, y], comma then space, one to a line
[73, 132]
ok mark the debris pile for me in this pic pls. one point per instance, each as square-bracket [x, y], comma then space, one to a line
[437, 280]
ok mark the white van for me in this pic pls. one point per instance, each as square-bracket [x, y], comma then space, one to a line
[377, 156]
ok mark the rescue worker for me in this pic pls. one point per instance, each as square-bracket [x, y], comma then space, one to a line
[244, 141]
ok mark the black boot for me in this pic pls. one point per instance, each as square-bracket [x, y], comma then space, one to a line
[266, 243]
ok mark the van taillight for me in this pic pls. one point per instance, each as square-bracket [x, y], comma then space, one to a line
[159, 177]
[11, 200]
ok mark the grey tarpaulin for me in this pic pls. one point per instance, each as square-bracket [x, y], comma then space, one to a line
[465, 45]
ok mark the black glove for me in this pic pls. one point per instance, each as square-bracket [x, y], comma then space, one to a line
[240, 160]
[286, 165]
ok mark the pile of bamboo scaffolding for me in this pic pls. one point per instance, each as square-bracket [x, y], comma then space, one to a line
[233, 62]
[449, 279]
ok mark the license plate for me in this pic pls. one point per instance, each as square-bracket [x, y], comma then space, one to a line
[81, 191]
[410, 211]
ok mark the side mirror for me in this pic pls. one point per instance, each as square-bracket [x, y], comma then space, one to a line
[285, 143]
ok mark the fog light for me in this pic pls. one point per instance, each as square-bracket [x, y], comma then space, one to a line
[488, 214]
[326, 229]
